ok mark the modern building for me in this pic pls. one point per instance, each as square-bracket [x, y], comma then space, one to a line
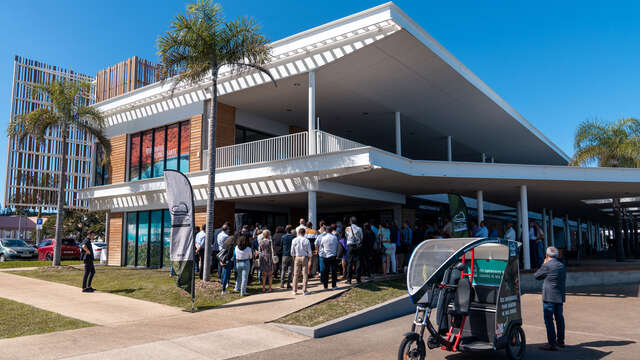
[32, 169]
[371, 116]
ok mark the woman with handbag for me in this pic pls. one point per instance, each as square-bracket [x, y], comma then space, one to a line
[266, 258]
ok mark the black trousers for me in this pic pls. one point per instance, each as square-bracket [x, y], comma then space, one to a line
[200, 259]
[89, 271]
[353, 263]
[330, 265]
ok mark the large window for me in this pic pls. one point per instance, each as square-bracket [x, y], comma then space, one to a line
[148, 237]
[244, 135]
[101, 169]
[153, 151]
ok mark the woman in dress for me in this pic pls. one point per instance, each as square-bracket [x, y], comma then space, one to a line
[266, 259]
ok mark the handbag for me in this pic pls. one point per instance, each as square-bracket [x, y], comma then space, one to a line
[223, 255]
[274, 257]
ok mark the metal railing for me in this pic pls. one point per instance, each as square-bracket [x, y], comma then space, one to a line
[278, 148]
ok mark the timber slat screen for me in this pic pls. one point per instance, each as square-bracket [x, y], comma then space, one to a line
[33, 169]
[126, 76]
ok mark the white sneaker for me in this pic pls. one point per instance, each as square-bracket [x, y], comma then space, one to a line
[294, 293]
[224, 292]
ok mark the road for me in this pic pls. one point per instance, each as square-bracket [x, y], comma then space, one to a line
[600, 325]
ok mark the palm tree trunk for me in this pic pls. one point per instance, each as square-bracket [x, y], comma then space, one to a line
[618, 230]
[213, 116]
[57, 250]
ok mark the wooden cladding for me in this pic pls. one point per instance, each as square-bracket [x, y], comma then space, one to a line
[114, 246]
[226, 129]
[118, 162]
[195, 149]
[126, 76]
[223, 211]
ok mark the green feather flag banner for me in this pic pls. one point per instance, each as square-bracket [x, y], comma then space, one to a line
[180, 201]
[459, 216]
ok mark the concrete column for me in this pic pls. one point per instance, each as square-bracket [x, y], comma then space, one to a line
[479, 195]
[107, 217]
[552, 236]
[519, 219]
[398, 135]
[312, 113]
[567, 233]
[312, 208]
[545, 227]
[525, 226]
[449, 149]
[484, 157]
[579, 237]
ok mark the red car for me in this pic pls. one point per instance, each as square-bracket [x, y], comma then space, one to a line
[70, 251]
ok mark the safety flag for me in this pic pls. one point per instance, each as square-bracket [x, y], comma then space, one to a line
[459, 216]
[182, 249]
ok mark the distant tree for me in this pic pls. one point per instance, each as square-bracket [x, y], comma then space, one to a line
[199, 44]
[68, 110]
[76, 224]
[609, 144]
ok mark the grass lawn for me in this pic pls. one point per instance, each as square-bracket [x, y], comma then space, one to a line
[144, 284]
[350, 301]
[18, 319]
[35, 263]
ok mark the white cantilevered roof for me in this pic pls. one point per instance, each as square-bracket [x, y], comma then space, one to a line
[461, 104]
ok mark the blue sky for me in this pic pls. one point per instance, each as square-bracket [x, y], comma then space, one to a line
[556, 62]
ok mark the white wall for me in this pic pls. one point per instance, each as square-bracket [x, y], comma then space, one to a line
[259, 123]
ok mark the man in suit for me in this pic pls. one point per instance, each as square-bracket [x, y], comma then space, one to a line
[554, 274]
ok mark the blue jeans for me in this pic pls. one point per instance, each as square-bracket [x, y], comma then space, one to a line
[226, 274]
[320, 264]
[551, 311]
[243, 267]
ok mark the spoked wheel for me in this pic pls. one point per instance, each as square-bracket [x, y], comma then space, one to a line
[517, 345]
[412, 348]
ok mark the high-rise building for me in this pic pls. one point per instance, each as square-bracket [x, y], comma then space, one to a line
[33, 169]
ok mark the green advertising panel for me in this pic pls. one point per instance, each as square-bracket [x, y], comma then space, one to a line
[459, 216]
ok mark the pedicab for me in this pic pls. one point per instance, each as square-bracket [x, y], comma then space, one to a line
[473, 286]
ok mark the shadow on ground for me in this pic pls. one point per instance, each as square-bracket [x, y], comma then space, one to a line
[611, 291]
[586, 350]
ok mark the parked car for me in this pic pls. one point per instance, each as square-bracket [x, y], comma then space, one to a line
[15, 249]
[97, 249]
[70, 251]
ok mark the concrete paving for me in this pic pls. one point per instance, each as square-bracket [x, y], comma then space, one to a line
[133, 328]
[601, 323]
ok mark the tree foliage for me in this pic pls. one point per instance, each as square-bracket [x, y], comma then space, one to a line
[76, 224]
[612, 144]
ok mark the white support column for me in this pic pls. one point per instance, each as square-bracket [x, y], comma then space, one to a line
[107, 217]
[579, 236]
[519, 218]
[398, 135]
[312, 113]
[544, 227]
[525, 226]
[552, 236]
[312, 207]
[484, 157]
[480, 200]
[449, 149]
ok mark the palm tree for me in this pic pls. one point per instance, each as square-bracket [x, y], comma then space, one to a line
[613, 144]
[68, 110]
[199, 44]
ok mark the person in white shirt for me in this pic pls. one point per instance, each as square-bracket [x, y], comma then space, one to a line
[243, 255]
[301, 251]
[510, 233]
[302, 226]
[354, 236]
[220, 239]
[201, 237]
[482, 230]
[328, 250]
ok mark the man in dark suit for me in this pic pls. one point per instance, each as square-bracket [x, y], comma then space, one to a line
[554, 274]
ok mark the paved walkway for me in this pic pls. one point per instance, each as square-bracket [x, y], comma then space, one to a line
[130, 328]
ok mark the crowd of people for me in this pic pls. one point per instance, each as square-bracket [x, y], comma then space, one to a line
[347, 250]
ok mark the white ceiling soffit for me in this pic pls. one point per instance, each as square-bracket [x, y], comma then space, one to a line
[291, 56]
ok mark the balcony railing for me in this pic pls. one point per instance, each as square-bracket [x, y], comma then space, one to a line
[279, 148]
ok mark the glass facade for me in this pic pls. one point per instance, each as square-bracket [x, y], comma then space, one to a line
[153, 151]
[244, 135]
[147, 239]
[101, 170]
